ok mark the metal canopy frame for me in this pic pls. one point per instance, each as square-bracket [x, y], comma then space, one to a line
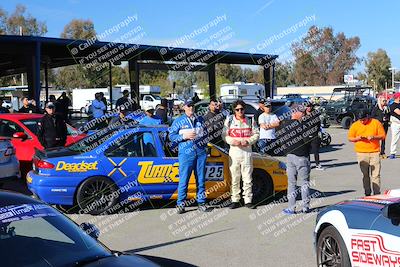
[30, 54]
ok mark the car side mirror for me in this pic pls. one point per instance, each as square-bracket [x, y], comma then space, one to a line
[20, 135]
[392, 211]
[90, 229]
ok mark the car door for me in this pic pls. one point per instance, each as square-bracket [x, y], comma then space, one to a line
[24, 147]
[133, 161]
[148, 101]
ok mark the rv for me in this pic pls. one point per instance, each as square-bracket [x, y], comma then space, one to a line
[241, 89]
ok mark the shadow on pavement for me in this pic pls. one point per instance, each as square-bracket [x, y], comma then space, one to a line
[331, 148]
[341, 164]
[136, 250]
[15, 185]
[166, 262]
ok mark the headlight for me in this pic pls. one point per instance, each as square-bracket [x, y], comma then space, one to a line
[282, 165]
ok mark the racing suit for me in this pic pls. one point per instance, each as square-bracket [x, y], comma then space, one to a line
[240, 157]
[192, 155]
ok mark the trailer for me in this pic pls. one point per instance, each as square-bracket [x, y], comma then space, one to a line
[241, 89]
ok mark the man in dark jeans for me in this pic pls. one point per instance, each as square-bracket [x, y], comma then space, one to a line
[297, 150]
[52, 129]
[312, 120]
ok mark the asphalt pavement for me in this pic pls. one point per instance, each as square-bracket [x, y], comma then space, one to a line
[241, 237]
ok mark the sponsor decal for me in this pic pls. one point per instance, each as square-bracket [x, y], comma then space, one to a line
[370, 250]
[153, 174]
[117, 167]
[76, 167]
[59, 190]
[278, 172]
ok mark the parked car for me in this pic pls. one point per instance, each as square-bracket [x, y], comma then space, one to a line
[22, 129]
[360, 232]
[9, 165]
[135, 163]
[7, 104]
[35, 234]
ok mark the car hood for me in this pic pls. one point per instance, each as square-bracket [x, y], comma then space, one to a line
[124, 260]
[376, 201]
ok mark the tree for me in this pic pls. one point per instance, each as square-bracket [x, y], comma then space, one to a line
[377, 65]
[79, 29]
[232, 73]
[19, 18]
[322, 58]
[284, 74]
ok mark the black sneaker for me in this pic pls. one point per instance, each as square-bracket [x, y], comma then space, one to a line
[180, 209]
[234, 205]
[250, 206]
[203, 208]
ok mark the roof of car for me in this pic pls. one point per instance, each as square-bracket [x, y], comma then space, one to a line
[20, 116]
[8, 198]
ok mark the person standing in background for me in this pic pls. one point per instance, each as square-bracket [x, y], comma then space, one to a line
[62, 105]
[313, 122]
[394, 124]
[381, 112]
[214, 121]
[162, 111]
[99, 109]
[268, 122]
[366, 133]
[52, 129]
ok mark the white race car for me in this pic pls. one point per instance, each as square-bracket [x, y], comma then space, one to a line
[363, 232]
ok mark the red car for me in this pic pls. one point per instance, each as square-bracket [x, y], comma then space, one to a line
[22, 129]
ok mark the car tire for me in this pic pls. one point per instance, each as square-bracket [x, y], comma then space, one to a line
[263, 187]
[96, 195]
[346, 122]
[331, 249]
[326, 141]
[83, 110]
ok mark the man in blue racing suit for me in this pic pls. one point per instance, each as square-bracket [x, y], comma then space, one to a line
[190, 134]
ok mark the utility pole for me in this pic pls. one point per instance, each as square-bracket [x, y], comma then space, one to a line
[393, 69]
[22, 74]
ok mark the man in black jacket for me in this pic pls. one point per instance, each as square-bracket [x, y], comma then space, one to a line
[214, 121]
[381, 112]
[52, 129]
[295, 141]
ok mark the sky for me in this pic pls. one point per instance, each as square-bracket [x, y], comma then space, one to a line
[262, 26]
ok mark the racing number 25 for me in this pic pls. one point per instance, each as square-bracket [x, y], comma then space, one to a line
[214, 172]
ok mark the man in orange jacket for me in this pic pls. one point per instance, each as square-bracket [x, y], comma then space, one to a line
[367, 133]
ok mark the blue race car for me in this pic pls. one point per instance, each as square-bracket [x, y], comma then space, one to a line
[361, 232]
[135, 163]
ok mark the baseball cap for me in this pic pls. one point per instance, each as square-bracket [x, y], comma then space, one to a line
[189, 102]
[396, 95]
[50, 105]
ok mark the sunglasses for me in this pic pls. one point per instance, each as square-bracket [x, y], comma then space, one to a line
[239, 109]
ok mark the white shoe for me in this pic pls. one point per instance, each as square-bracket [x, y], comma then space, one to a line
[319, 167]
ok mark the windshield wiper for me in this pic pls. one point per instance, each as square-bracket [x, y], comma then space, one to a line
[92, 259]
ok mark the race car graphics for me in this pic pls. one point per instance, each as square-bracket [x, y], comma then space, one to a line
[117, 167]
[76, 167]
[370, 250]
[153, 174]
[214, 171]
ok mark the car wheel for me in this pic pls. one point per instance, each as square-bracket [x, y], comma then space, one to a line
[331, 249]
[83, 110]
[326, 141]
[263, 187]
[346, 122]
[96, 195]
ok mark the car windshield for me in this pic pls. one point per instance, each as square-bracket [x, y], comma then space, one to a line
[157, 97]
[93, 141]
[32, 125]
[38, 235]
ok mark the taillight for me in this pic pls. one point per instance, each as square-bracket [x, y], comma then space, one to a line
[41, 164]
[10, 151]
